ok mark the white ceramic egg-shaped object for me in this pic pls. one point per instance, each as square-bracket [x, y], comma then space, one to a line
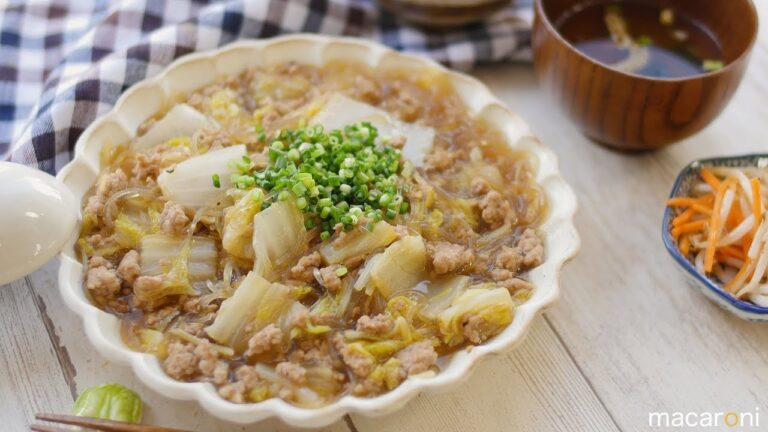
[37, 217]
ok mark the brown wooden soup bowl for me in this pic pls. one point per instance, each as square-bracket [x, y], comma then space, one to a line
[633, 112]
[442, 14]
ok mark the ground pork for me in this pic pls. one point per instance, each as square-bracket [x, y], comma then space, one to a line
[213, 138]
[439, 159]
[143, 287]
[194, 328]
[509, 259]
[181, 363]
[111, 183]
[527, 253]
[378, 325]
[515, 284]
[264, 340]
[369, 386]
[475, 328]
[406, 106]
[173, 220]
[147, 166]
[207, 358]
[159, 318]
[331, 281]
[417, 357]
[187, 361]
[460, 229]
[448, 257]
[292, 372]
[494, 209]
[190, 304]
[304, 269]
[246, 379]
[220, 373]
[342, 237]
[324, 318]
[398, 141]
[98, 241]
[532, 248]
[314, 352]
[129, 268]
[480, 186]
[368, 89]
[98, 261]
[107, 185]
[101, 280]
[233, 392]
[360, 362]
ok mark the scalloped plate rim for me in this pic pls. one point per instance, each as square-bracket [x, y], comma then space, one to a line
[459, 369]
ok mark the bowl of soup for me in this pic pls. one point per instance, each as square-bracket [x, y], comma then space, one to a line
[637, 74]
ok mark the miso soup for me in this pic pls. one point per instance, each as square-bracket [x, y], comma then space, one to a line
[642, 39]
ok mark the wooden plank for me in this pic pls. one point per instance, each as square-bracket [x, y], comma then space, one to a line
[639, 337]
[30, 377]
[535, 387]
[92, 369]
[645, 340]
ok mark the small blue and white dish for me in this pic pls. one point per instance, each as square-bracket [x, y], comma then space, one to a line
[687, 178]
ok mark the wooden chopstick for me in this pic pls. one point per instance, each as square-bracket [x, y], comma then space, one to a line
[43, 428]
[98, 424]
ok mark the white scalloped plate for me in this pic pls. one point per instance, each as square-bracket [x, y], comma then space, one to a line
[193, 71]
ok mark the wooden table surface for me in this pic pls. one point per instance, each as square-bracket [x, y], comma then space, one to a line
[627, 337]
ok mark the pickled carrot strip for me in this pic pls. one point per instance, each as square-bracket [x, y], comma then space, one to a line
[710, 178]
[732, 251]
[715, 224]
[683, 217]
[685, 245]
[757, 202]
[689, 227]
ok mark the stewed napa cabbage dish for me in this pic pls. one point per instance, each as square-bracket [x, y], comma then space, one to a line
[305, 233]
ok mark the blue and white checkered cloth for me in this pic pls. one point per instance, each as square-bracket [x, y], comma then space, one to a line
[65, 62]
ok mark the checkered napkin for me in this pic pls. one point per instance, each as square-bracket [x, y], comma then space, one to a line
[65, 62]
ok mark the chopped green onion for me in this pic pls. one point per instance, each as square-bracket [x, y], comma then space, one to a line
[293, 154]
[385, 199]
[712, 65]
[216, 181]
[644, 40]
[341, 271]
[299, 189]
[335, 176]
[404, 208]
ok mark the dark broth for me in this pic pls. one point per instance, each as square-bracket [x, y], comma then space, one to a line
[677, 48]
